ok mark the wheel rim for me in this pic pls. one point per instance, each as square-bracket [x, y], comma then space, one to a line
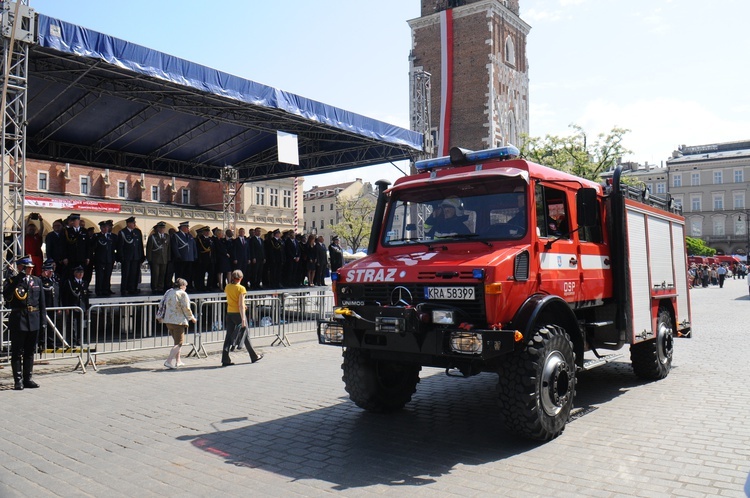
[664, 342]
[555, 388]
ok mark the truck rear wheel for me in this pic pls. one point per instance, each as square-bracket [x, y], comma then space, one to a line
[378, 385]
[652, 359]
[536, 386]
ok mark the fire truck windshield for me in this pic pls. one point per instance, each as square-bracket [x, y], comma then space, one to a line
[457, 212]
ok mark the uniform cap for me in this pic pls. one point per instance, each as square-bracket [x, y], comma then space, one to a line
[130, 220]
[78, 268]
[25, 261]
[102, 223]
[184, 224]
[161, 224]
[74, 217]
[452, 201]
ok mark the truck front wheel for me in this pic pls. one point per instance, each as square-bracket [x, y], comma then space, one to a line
[652, 359]
[378, 385]
[536, 385]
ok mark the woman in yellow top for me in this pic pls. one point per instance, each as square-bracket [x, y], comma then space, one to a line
[236, 319]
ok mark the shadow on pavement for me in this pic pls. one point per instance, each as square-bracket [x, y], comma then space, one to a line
[449, 422]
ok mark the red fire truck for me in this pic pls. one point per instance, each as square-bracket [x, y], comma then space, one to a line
[483, 262]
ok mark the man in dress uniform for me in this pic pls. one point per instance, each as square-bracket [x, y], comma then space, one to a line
[130, 250]
[205, 258]
[104, 259]
[240, 252]
[292, 253]
[184, 253]
[257, 259]
[24, 296]
[76, 293]
[275, 259]
[51, 289]
[54, 243]
[158, 252]
[336, 254]
[76, 245]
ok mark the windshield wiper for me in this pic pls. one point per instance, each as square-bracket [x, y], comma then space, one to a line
[464, 236]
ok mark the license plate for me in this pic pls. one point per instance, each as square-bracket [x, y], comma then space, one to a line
[449, 293]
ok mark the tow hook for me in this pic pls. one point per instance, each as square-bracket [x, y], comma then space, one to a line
[457, 372]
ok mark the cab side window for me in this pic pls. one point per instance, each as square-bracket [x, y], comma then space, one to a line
[593, 233]
[551, 212]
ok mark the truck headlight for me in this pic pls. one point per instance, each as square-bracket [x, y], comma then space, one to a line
[466, 342]
[332, 333]
[442, 317]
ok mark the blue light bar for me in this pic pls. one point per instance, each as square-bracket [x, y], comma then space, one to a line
[478, 273]
[428, 164]
[461, 157]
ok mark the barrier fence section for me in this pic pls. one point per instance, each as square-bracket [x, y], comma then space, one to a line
[263, 318]
[64, 330]
[128, 327]
[302, 312]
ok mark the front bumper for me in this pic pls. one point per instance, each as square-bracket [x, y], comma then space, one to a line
[405, 336]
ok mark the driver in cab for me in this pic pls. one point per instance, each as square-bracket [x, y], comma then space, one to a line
[446, 219]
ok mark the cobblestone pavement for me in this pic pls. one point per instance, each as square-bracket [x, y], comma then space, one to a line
[284, 427]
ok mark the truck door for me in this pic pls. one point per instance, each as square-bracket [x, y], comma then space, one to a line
[559, 264]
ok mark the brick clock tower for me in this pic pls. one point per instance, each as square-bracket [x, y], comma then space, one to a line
[473, 55]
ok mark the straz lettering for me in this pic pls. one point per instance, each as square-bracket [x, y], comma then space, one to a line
[371, 275]
[569, 288]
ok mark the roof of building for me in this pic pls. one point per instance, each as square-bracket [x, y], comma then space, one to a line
[710, 152]
[98, 100]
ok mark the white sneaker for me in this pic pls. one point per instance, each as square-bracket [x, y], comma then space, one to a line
[169, 365]
[180, 364]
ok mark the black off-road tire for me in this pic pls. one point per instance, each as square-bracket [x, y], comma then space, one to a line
[652, 359]
[378, 385]
[536, 386]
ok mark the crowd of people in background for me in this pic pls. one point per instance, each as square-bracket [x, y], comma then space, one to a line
[274, 260]
[714, 274]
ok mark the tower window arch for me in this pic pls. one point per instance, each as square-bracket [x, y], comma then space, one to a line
[510, 51]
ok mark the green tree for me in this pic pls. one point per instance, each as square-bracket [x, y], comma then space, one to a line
[355, 220]
[575, 153]
[697, 247]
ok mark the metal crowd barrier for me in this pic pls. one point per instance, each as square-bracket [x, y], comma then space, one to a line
[119, 327]
[64, 338]
[112, 326]
[263, 318]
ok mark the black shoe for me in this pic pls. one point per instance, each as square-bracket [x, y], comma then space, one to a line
[227, 364]
[260, 357]
[30, 384]
[18, 386]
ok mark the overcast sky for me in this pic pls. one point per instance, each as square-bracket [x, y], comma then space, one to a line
[672, 71]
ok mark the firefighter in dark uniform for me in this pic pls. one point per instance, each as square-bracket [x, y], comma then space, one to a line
[205, 258]
[51, 289]
[184, 253]
[75, 292]
[130, 251]
[25, 298]
[76, 245]
[104, 259]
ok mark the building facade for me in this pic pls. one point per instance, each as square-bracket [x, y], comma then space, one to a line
[475, 53]
[55, 190]
[711, 183]
[322, 210]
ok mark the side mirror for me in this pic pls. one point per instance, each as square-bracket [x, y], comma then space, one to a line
[587, 207]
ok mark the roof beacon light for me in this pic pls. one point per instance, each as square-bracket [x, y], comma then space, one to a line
[459, 157]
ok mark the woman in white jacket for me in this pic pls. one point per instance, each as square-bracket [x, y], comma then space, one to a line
[177, 315]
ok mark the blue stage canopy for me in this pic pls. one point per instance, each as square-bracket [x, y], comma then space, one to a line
[95, 99]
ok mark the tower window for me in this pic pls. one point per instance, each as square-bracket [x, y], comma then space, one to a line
[510, 51]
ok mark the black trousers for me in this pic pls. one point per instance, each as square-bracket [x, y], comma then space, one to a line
[22, 349]
[232, 322]
[130, 271]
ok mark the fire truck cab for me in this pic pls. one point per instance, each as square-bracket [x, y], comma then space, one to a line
[483, 262]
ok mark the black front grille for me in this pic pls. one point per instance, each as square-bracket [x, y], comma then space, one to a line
[389, 295]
